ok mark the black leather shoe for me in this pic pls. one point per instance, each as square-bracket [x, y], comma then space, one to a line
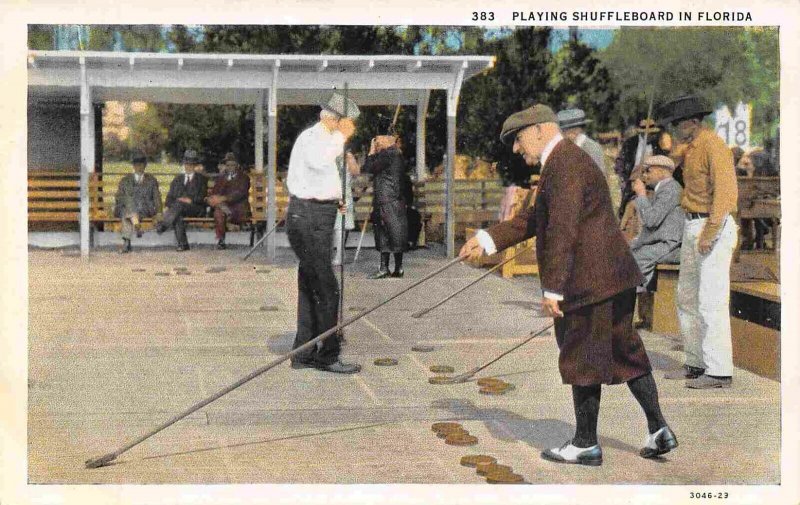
[126, 246]
[299, 364]
[221, 245]
[685, 372]
[339, 367]
[160, 228]
[398, 274]
[660, 442]
[182, 247]
[380, 274]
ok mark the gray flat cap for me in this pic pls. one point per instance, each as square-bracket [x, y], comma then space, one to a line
[572, 118]
[335, 104]
[537, 114]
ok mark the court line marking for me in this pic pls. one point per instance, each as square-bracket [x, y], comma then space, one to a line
[377, 330]
[361, 382]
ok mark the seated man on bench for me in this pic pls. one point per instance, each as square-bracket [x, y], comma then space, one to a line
[661, 217]
[229, 198]
[137, 198]
[186, 198]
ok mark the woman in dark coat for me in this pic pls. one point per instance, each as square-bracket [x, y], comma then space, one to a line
[385, 163]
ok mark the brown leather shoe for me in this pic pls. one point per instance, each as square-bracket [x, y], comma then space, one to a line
[709, 382]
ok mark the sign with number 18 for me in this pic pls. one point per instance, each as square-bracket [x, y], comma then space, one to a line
[734, 128]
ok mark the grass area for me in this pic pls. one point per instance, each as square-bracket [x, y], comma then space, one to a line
[125, 167]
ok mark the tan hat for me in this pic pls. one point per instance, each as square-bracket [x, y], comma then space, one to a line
[537, 114]
[660, 161]
[648, 126]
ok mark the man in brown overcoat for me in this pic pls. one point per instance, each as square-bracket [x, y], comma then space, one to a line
[229, 198]
[588, 276]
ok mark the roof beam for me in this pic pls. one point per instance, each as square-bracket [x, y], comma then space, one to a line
[369, 66]
[322, 66]
[413, 67]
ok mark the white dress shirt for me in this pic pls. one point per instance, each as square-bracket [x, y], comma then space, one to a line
[485, 240]
[187, 178]
[313, 173]
[137, 177]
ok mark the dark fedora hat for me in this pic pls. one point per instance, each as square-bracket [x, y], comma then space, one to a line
[537, 114]
[190, 156]
[684, 107]
[138, 157]
[229, 157]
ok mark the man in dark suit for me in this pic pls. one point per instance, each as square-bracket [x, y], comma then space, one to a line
[229, 198]
[186, 198]
[588, 276]
[137, 198]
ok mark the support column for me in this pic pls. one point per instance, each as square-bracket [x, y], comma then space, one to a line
[452, 108]
[422, 116]
[272, 160]
[87, 158]
[449, 188]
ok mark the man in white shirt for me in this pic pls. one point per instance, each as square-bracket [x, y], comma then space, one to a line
[315, 189]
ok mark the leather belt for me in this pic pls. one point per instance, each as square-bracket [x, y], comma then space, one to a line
[696, 215]
[316, 201]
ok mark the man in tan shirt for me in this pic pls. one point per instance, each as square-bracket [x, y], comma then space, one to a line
[709, 238]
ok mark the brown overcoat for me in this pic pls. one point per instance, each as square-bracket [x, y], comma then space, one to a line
[237, 191]
[584, 257]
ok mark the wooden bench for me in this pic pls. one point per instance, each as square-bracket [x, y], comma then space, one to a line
[665, 313]
[756, 327]
[54, 196]
[102, 199]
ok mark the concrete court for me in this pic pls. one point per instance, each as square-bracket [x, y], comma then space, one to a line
[114, 352]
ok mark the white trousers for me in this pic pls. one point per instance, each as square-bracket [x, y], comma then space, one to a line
[703, 299]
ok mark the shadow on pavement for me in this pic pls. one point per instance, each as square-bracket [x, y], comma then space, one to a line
[509, 426]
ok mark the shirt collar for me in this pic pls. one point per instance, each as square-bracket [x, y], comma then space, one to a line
[580, 139]
[660, 182]
[549, 148]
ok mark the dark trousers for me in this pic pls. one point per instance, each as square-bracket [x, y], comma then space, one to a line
[309, 225]
[224, 215]
[173, 218]
[598, 344]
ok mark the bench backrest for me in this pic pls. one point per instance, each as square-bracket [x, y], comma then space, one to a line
[53, 196]
[103, 189]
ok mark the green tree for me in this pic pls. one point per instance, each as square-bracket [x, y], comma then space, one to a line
[519, 79]
[664, 63]
[147, 133]
[579, 79]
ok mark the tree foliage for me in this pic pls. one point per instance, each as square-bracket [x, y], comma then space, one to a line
[664, 63]
[614, 86]
[579, 79]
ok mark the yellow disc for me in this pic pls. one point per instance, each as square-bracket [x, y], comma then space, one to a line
[475, 459]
